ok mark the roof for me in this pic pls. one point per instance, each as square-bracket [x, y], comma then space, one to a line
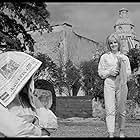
[123, 21]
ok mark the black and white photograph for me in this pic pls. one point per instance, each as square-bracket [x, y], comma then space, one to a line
[69, 69]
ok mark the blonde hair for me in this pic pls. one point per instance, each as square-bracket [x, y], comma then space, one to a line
[109, 38]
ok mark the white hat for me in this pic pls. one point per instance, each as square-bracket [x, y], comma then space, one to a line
[16, 68]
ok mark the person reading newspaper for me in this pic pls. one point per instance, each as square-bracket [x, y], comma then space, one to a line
[22, 114]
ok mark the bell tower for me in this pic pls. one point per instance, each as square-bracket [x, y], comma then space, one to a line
[125, 29]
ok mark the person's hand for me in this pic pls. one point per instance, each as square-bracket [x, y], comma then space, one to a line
[114, 72]
[28, 118]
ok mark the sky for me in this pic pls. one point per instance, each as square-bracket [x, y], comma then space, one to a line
[94, 20]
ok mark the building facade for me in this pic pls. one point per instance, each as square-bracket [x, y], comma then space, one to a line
[63, 44]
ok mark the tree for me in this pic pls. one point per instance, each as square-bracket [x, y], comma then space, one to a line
[134, 57]
[93, 84]
[134, 83]
[51, 72]
[47, 65]
[16, 18]
[72, 77]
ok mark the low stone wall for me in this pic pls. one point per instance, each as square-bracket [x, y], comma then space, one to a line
[99, 112]
[74, 106]
[83, 106]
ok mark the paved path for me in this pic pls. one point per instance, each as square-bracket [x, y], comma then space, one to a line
[79, 127]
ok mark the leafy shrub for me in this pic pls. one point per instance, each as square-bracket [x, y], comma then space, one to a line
[134, 83]
[93, 84]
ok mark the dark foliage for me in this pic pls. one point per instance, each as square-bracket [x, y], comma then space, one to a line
[93, 84]
[47, 64]
[134, 57]
[18, 17]
[72, 73]
[134, 83]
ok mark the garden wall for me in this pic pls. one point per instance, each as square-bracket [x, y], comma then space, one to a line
[74, 106]
[85, 107]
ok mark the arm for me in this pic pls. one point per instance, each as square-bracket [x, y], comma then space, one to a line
[127, 64]
[103, 73]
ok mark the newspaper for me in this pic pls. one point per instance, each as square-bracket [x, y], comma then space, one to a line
[16, 68]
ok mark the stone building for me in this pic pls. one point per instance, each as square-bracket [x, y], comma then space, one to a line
[63, 44]
[125, 29]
